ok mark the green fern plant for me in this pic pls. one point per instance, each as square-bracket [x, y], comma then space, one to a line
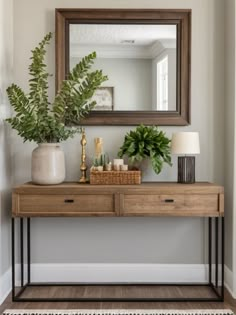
[147, 142]
[36, 119]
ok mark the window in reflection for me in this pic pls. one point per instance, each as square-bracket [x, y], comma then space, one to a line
[162, 84]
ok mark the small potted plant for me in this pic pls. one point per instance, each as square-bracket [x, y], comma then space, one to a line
[147, 142]
[36, 119]
[100, 162]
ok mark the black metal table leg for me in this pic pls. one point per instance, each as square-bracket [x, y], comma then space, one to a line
[13, 256]
[216, 250]
[222, 256]
[22, 250]
[219, 245]
[210, 249]
[28, 252]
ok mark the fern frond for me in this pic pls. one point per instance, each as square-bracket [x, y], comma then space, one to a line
[38, 95]
[19, 101]
[81, 69]
[73, 101]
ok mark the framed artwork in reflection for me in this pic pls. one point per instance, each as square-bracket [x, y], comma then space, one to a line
[104, 96]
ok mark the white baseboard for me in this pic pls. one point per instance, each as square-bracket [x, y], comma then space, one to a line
[5, 285]
[119, 273]
[149, 273]
[229, 281]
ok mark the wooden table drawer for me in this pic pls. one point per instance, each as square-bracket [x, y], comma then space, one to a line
[186, 205]
[102, 204]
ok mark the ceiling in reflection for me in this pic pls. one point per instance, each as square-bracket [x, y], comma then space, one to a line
[112, 41]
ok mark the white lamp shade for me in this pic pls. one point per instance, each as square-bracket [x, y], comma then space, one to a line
[185, 143]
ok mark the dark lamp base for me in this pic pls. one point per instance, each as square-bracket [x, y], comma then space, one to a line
[186, 169]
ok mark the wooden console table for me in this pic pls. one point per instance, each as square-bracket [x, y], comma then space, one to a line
[148, 199]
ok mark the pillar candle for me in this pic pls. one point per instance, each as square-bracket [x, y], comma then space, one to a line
[98, 146]
[118, 162]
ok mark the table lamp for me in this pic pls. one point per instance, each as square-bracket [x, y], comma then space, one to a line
[186, 143]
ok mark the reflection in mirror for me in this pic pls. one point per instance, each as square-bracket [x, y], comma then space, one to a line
[140, 61]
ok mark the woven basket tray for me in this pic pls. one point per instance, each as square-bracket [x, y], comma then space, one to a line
[115, 177]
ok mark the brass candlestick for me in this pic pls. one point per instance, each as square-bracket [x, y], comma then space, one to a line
[83, 166]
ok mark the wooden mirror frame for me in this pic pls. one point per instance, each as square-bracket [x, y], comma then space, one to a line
[180, 18]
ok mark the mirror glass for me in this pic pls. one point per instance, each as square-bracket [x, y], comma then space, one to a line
[139, 60]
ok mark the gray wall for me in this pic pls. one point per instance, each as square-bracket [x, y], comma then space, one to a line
[116, 240]
[6, 63]
[230, 128]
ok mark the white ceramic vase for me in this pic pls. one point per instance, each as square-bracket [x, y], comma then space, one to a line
[48, 164]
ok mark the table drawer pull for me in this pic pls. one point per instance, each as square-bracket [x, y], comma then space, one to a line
[169, 200]
[69, 200]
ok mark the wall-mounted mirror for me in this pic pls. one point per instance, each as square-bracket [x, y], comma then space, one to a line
[146, 55]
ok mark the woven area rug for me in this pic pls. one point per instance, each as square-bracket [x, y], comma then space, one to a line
[118, 312]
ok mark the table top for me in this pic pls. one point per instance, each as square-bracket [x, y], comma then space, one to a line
[195, 187]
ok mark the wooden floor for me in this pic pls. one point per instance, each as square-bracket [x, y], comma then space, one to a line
[118, 291]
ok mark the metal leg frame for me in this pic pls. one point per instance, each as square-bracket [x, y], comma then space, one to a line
[218, 288]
